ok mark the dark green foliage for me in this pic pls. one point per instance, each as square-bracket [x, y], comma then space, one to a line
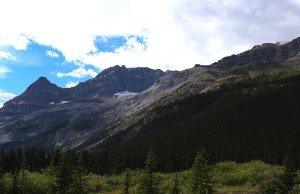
[127, 181]
[253, 119]
[15, 189]
[288, 177]
[149, 183]
[270, 185]
[175, 188]
[79, 179]
[201, 181]
[283, 183]
[56, 158]
[251, 173]
[36, 159]
[63, 175]
[22, 182]
[151, 162]
[2, 186]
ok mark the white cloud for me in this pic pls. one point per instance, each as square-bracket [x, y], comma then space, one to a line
[52, 54]
[6, 55]
[179, 33]
[13, 38]
[78, 73]
[3, 71]
[71, 84]
[4, 96]
[1, 104]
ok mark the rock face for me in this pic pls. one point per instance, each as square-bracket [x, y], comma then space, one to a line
[117, 79]
[37, 96]
[261, 53]
[42, 93]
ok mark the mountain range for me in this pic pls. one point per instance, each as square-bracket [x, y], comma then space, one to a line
[228, 101]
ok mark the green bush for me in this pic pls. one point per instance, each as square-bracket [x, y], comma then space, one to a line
[250, 173]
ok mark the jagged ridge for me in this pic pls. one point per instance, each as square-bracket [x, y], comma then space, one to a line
[261, 53]
[114, 79]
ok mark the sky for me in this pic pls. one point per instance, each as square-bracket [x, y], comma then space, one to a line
[71, 41]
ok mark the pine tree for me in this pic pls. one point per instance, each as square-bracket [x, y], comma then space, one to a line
[15, 183]
[149, 182]
[288, 177]
[2, 186]
[79, 180]
[56, 158]
[201, 181]
[23, 178]
[127, 181]
[63, 175]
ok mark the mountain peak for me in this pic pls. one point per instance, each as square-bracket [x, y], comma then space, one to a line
[41, 83]
[42, 79]
[266, 52]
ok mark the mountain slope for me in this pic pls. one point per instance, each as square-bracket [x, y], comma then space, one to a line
[266, 52]
[95, 117]
[37, 96]
[117, 79]
[254, 118]
[112, 80]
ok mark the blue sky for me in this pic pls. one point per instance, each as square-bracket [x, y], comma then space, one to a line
[26, 66]
[72, 41]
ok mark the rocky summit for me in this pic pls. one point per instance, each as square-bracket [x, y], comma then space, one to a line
[42, 94]
[117, 79]
[37, 96]
[265, 52]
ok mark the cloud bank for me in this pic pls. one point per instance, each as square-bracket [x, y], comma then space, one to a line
[176, 33]
[4, 96]
[52, 54]
[3, 71]
[78, 73]
[71, 84]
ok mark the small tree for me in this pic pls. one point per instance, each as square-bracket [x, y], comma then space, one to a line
[149, 183]
[23, 178]
[270, 184]
[79, 179]
[56, 158]
[127, 181]
[63, 175]
[15, 183]
[2, 185]
[287, 179]
[201, 181]
[176, 189]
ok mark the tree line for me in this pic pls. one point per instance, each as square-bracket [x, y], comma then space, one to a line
[67, 173]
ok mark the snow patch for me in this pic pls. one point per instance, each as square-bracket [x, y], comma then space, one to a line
[282, 43]
[124, 94]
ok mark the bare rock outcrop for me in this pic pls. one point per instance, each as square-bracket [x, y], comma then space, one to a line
[261, 53]
[42, 94]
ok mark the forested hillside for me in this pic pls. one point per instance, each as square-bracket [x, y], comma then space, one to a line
[257, 118]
